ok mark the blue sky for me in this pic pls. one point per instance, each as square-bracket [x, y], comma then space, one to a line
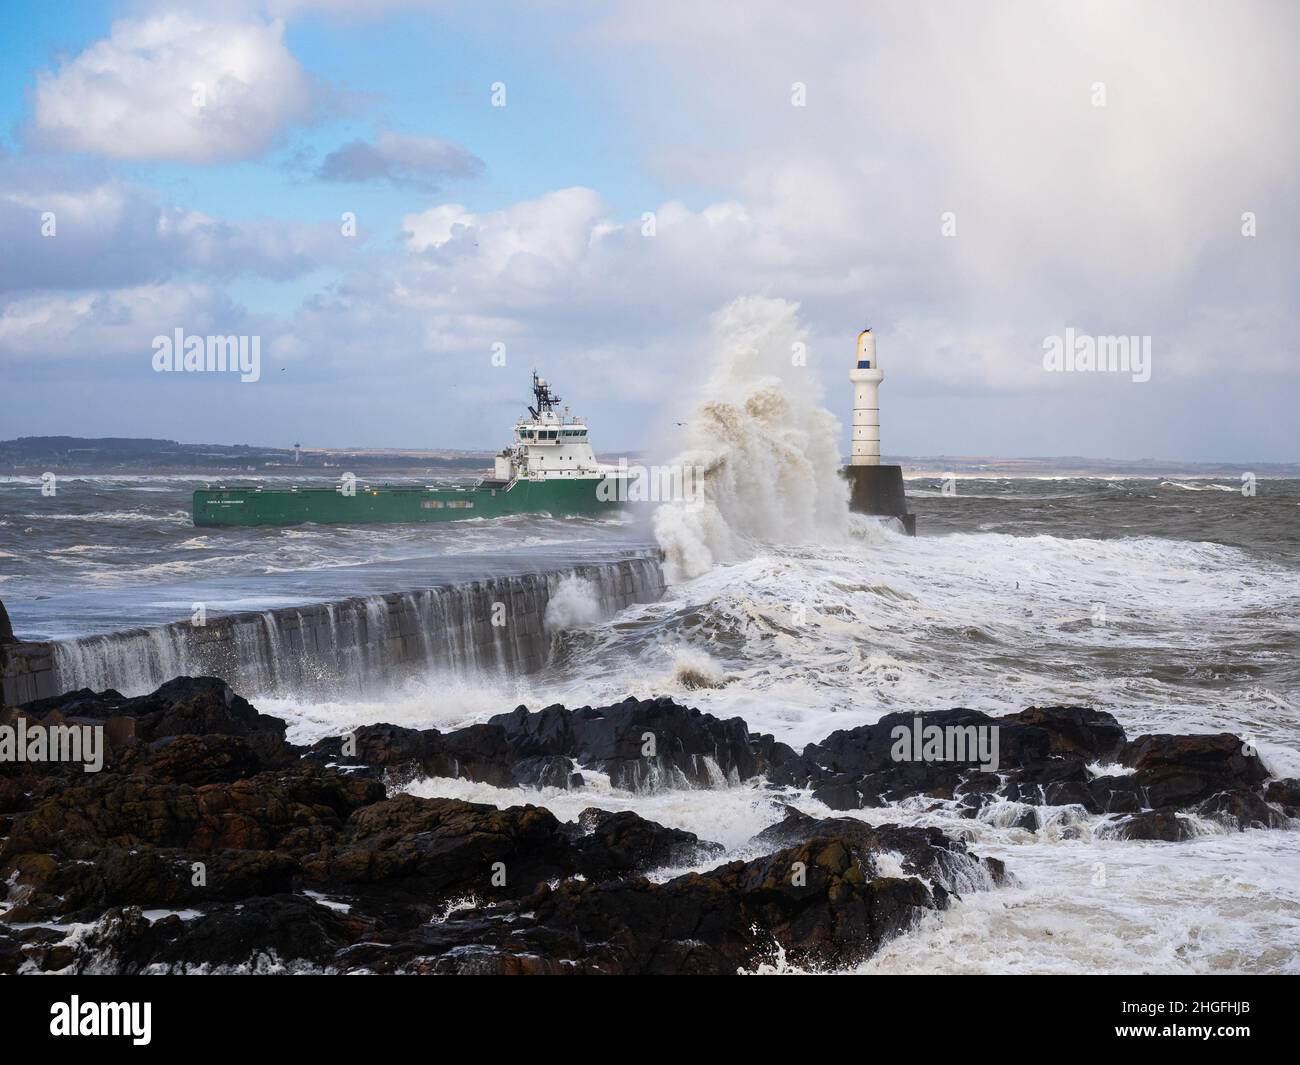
[524, 225]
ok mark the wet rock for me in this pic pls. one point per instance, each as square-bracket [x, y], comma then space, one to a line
[194, 706]
[814, 902]
[11, 955]
[1242, 809]
[1074, 731]
[840, 793]
[123, 836]
[923, 852]
[613, 843]
[1043, 755]
[424, 852]
[1155, 825]
[280, 809]
[641, 744]
[307, 863]
[1180, 771]
[1286, 793]
[871, 754]
[1116, 794]
[268, 934]
[690, 748]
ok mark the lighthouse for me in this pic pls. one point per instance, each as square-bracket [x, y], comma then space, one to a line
[876, 489]
[866, 377]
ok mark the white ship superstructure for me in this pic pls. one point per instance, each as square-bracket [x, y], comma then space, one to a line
[548, 445]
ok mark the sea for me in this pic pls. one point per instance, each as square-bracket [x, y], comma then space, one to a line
[1170, 603]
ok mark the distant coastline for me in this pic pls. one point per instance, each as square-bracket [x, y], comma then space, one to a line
[33, 455]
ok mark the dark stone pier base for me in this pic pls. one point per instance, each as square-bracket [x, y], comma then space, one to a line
[878, 490]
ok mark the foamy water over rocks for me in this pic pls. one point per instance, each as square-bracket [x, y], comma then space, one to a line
[219, 846]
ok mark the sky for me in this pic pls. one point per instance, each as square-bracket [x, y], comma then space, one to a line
[413, 204]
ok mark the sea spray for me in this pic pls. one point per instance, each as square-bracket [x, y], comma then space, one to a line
[694, 669]
[574, 603]
[769, 450]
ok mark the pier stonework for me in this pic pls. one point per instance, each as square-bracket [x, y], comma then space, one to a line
[878, 490]
[336, 646]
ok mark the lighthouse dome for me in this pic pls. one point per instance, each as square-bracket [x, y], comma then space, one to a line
[866, 353]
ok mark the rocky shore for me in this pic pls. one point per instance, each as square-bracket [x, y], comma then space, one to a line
[209, 843]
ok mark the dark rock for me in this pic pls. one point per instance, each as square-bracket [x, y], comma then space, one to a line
[731, 918]
[690, 747]
[1242, 809]
[196, 706]
[425, 852]
[1115, 794]
[613, 843]
[102, 841]
[1074, 731]
[1155, 825]
[262, 934]
[542, 749]
[1043, 755]
[923, 852]
[1183, 770]
[1286, 793]
[1035, 748]
[839, 793]
[408, 884]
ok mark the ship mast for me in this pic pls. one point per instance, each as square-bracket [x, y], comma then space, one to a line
[547, 401]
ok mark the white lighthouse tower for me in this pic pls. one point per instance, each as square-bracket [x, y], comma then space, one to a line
[866, 377]
[875, 489]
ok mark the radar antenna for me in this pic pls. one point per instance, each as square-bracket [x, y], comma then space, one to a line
[547, 400]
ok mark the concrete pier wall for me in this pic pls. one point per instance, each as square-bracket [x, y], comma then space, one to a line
[488, 626]
[879, 490]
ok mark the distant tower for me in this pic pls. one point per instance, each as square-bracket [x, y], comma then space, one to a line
[297, 452]
[866, 377]
[876, 489]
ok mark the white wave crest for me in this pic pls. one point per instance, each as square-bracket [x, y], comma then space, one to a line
[770, 451]
[574, 604]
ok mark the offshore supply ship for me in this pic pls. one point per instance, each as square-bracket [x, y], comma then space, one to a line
[548, 468]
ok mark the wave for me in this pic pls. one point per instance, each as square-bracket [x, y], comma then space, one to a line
[1200, 487]
[768, 449]
[176, 517]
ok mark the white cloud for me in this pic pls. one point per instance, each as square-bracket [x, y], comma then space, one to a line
[133, 94]
[435, 227]
[120, 325]
[1116, 219]
[112, 234]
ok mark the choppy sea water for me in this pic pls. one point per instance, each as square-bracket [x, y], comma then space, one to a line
[107, 553]
[1172, 604]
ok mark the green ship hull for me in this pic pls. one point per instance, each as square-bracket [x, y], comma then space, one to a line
[392, 504]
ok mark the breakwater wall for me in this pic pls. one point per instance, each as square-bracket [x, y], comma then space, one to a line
[498, 625]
